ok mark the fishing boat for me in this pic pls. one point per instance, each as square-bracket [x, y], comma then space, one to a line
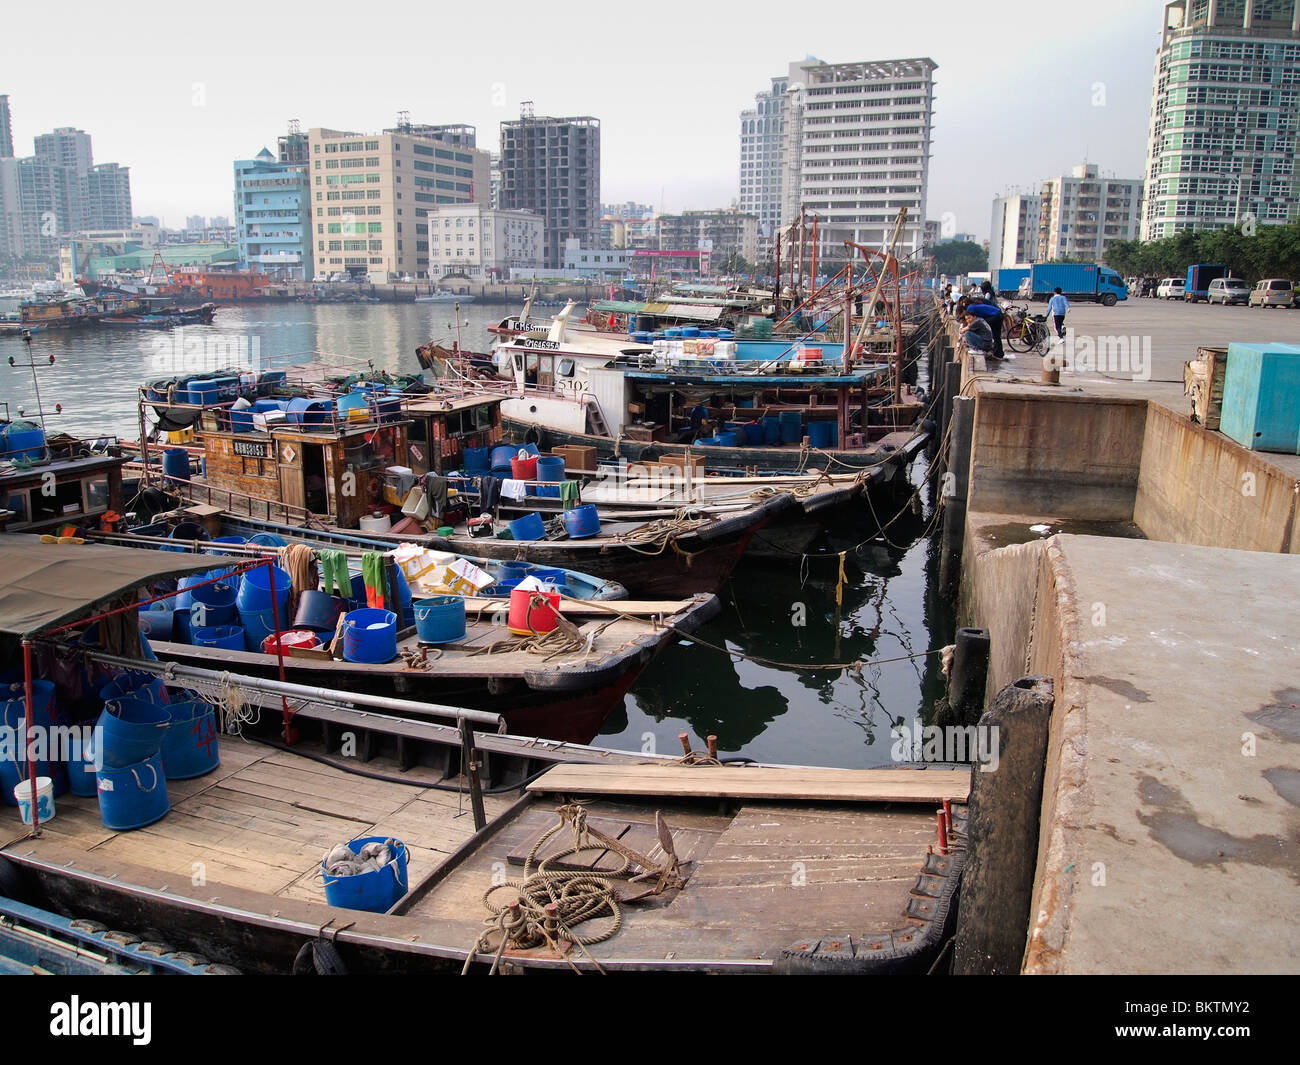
[444, 297]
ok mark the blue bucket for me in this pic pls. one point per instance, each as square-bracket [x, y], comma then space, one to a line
[529, 527]
[190, 748]
[268, 540]
[791, 427]
[550, 468]
[258, 625]
[823, 434]
[440, 619]
[771, 431]
[132, 796]
[375, 891]
[501, 456]
[515, 571]
[255, 590]
[361, 643]
[130, 684]
[132, 730]
[157, 620]
[308, 412]
[727, 440]
[477, 459]
[223, 540]
[13, 715]
[231, 637]
[318, 611]
[556, 577]
[176, 463]
[82, 767]
[582, 522]
[212, 604]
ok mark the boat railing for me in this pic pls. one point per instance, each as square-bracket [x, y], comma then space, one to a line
[236, 502]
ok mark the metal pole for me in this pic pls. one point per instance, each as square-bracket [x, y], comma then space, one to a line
[27, 740]
[469, 765]
[290, 733]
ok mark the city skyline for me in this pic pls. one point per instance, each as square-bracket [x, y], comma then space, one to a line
[669, 116]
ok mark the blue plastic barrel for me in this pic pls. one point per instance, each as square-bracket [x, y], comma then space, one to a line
[83, 764]
[529, 527]
[727, 440]
[134, 795]
[440, 619]
[501, 456]
[176, 463]
[13, 715]
[673, 333]
[823, 434]
[229, 637]
[268, 540]
[22, 442]
[137, 685]
[132, 730]
[257, 626]
[550, 468]
[215, 550]
[791, 427]
[582, 522]
[375, 891]
[370, 636]
[691, 331]
[318, 611]
[771, 430]
[157, 620]
[255, 589]
[354, 401]
[477, 459]
[210, 605]
[308, 412]
[190, 747]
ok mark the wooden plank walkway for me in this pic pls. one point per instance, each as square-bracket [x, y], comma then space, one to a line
[264, 817]
[754, 782]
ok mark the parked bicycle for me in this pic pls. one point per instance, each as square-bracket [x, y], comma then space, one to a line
[1025, 332]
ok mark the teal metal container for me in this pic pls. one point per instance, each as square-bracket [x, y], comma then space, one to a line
[1261, 397]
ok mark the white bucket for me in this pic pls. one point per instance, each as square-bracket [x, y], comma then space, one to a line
[44, 799]
[376, 523]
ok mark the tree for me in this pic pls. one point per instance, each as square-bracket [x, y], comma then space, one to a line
[959, 257]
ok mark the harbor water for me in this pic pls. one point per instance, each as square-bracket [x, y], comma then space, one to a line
[783, 611]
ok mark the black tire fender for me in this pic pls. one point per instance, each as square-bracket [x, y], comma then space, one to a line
[319, 957]
[535, 434]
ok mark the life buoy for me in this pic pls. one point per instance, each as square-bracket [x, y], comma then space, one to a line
[318, 957]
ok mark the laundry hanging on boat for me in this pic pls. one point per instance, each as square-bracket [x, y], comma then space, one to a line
[570, 495]
[334, 573]
[300, 563]
[372, 571]
[435, 491]
[489, 493]
[512, 489]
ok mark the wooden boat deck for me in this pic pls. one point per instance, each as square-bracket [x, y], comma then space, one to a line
[262, 820]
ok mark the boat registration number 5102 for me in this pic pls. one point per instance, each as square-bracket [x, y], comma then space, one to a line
[256, 449]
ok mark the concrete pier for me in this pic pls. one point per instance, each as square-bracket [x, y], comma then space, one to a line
[1151, 568]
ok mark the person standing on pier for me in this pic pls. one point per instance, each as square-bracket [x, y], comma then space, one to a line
[1057, 307]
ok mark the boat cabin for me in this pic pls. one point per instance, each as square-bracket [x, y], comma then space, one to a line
[442, 428]
[63, 481]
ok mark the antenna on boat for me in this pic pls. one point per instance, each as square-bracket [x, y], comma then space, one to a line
[36, 383]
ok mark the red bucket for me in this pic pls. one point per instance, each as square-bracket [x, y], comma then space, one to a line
[524, 469]
[530, 615]
[295, 638]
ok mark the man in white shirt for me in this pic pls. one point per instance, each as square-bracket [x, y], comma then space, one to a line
[1057, 307]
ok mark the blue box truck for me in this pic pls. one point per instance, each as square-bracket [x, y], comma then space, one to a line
[1006, 282]
[1199, 276]
[1078, 281]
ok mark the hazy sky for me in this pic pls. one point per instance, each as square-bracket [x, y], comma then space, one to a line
[1023, 90]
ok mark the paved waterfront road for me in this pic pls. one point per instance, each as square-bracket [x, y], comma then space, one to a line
[1175, 330]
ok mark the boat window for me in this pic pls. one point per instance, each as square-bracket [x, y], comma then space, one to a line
[66, 500]
[483, 418]
[17, 502]
[566, 367]
[96, 493]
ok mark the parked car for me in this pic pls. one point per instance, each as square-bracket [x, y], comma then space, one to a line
[1171, 288]
[1273, 292]
[1228, 290]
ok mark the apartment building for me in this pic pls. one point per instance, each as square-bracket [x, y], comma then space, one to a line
[1013, 231]
[371, 194]
[724, 232]
[551, 167]
[1225, 117]
[273, 217]
[480, 243]
[763, 159]
[1083, 212]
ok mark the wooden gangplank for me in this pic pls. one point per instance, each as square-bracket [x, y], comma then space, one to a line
[759, 782]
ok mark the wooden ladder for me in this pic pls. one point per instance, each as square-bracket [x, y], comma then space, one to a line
[595, 419]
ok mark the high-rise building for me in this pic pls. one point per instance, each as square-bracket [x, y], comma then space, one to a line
[1013, 232]
[371, 194]
[478, 242]
[1225, 114]
[1082, 213]
[273, 217]
[762, 159]
[551, 167]
[6, 130]
[851, 142]
[292, 148]
[627, 210]
[195, 221]
[108, 195]
[723, 232]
